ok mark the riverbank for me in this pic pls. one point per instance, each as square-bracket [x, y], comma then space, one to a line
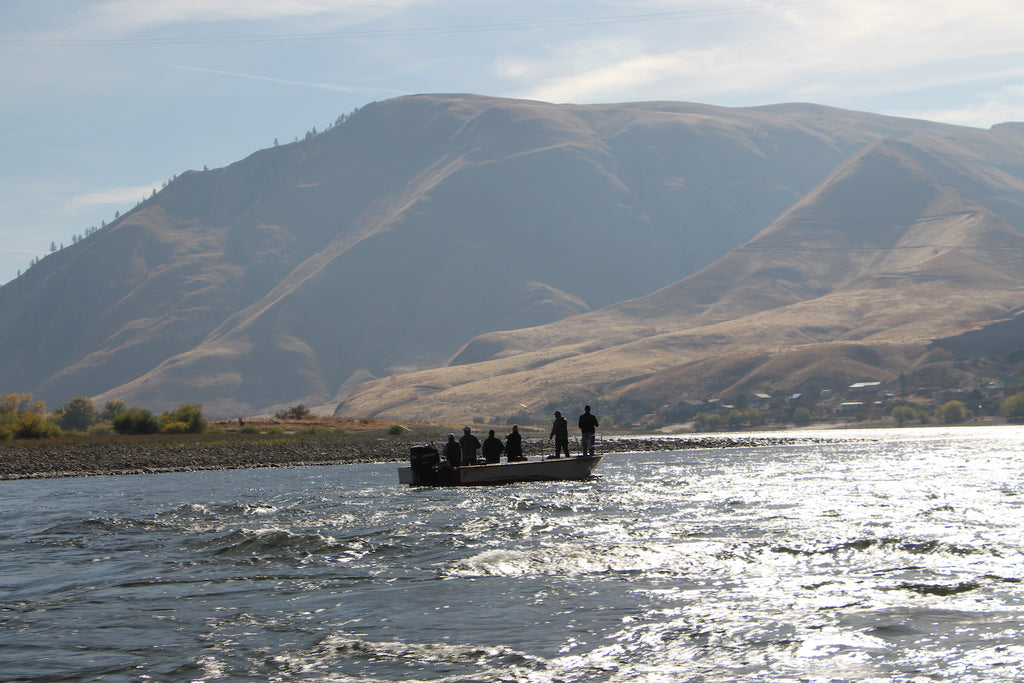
[151, 456]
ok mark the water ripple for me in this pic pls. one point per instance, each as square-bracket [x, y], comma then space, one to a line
[883, 556]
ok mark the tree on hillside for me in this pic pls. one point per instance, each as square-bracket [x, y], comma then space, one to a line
[112, 409]
[21, 403]
[76, 415]
[299, 412]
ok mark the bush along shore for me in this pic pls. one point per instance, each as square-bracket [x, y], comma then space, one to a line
[22, 460]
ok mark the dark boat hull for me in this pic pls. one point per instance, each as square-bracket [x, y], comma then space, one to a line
[551, 469]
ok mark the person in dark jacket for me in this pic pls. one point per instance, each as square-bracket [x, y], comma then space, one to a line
[470, 445]
[452, 451]
[514, 445]
[560, 433]
[492, 448]
[588, 429]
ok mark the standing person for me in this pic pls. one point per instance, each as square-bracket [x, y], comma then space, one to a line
[492, 448]
[470, 444]
[560, 433]
[514, 445]
[452, 451]
[588, 428]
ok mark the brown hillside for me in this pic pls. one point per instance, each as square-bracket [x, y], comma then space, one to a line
[848, 284]
[479, 254]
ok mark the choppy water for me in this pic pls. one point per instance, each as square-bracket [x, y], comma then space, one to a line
[898, 556]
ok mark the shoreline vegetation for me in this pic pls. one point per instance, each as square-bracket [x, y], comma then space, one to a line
[362, 441]
[76, 439]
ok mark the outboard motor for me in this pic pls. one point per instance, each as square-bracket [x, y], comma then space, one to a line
[427, 467]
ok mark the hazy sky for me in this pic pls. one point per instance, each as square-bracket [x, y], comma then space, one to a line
[104, 100]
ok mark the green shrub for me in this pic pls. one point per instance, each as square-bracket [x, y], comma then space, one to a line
[953, 412]
[249, 429]
[190, 414]
[34, 426]
[1013, 407]
[707, 422]
[136, 420]
[173, 427]
[747, 416]
[21, 417]
[396, 430]
[902, 413]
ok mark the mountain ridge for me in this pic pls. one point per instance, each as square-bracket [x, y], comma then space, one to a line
[442, 234]
[964, 228]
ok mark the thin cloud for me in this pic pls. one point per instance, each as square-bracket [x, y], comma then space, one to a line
[112, 196]
[131, 15]
[284, 81]
[119, 19]
[1004, 104]
[832, 51]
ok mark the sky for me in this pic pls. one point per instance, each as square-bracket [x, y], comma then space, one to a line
[103, 101]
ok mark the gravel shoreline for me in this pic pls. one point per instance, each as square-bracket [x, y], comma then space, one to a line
[91, 459]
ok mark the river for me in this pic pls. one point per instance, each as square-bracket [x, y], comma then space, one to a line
[891, 555]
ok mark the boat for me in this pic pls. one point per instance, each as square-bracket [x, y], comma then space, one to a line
[426, 468]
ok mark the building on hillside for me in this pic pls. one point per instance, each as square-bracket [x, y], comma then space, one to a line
[994, 389]
[864, 388]
[852, 408]
[947, 395]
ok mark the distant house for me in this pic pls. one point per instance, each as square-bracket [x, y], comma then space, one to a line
[946, 395]
[994, 389]
[851, 407]
[864, 388]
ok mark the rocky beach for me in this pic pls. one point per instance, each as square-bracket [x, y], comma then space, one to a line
[18, 461]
